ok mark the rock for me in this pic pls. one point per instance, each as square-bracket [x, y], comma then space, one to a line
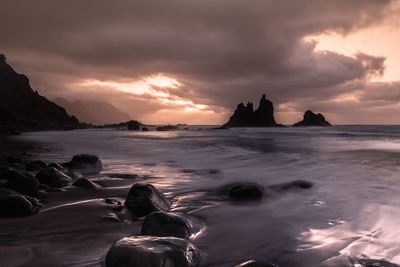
[112, 217]
[167, 128]
[85, 163]
[245, 116]
[13, 204]
[11, 174]
[143, 199]
[253, 263]
[53, 177]
[312, 119]
[149, 251]
[85, 183]
[376, 263]
[145, 129]
[56, 166]
[36, 165]
[24, 185]
[294, 185]
[133, 126]
[160, 223]
[246, 191]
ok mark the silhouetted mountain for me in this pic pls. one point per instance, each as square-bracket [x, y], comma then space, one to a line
[245, 116]
[94, 112]
[312, 119]
[22, 107]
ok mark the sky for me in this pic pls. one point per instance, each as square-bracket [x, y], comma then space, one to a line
[191, 61]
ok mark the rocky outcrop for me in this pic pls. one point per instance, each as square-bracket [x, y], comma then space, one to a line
[84, 163]
[148, 251]
[133, 126]
[160, 223]
[312, 119]
[143, 199]
[245, 116]
[22, 107]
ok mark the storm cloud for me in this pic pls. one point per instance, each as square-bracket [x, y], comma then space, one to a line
[221, 53]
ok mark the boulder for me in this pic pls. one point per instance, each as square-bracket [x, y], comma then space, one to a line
[11, 174]
[145, 129]
[36, 165]
[56, 166]
[53, 177]
[253, 263]
[294, 185]
[312, 119]
[150, 251]
[133, 126]
[13, 204]
[85, 163]
[24, 185]
[85, 183]
[246, 191]
[143, 199]
[161, 223]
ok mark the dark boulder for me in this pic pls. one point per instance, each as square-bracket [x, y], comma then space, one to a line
[149, 251]
[143, 199]
[36, 165]
[167, 128]
[84, 183]
[312, 119]
[56, 166]
[294, 185]
[246, 191]
[160, 223]
[245, 116]
[24, 185]
[53, 177]
[85, 163]
[133, 126]
[253, 263]
[13, 204]
[145, 129]
[11, 174]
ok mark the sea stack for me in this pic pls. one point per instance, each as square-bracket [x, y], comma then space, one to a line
[312, 119]
[245, 116]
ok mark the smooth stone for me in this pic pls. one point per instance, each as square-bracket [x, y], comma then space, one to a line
[253, 263]
[294, 185]
[160, 223]
[36, 165]
[150, 251]
[84, 183]
[24, 185]
[56, 166]
[85, 163]
[11, 174]
[112, 217]
[246, 191]
[53, 177]
[13, 204]
[143, 199]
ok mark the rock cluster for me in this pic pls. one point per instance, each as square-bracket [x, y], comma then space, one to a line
[312, 119]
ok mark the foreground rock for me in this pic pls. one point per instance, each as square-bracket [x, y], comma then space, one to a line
[36, 165]
[13, 204]
[143, 199]
[246, 191]
[85, 163]
[24, 185]
[245, 116]
[312, 119]
[149, 251]
[84, 183]
[253, 263]
[52, 177]
[160, 223]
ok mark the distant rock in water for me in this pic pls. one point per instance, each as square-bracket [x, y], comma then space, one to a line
[20, 106]
[245, 116]
[312, 119]
[133, 126]
[167, 128]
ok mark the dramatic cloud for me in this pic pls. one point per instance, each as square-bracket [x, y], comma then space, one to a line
[207, 56]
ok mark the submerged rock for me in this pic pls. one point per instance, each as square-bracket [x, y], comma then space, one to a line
[85, 183]
[149, 251]
[13, 204]
[36, 165]
[85, 163]
[143, 199]
[145, 129]
[312, 119]
[246, 191]
[167, 128]
[160, 223]
[294, 185]
[253, 263]
[53, 177]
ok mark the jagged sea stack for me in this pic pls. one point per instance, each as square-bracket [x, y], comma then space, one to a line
[245, 116]
[312, 119]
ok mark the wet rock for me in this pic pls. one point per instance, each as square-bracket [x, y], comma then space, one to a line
[85, 163]
[145, 129]
[112, 217]
[143, 199]
[133, 126]
[13, 204]
[253, 263]
[312, 119]
[53, 177]
[56, 166]
[246, 191]
[24, 185]
[11, 174]
[376, 263]
[294, 185]
[167, 128]
[149, 251]
[111, 201]
[84, 183]
[36, 165]
[160, 223]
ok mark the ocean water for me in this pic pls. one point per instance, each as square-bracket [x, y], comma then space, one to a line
[350, 217]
